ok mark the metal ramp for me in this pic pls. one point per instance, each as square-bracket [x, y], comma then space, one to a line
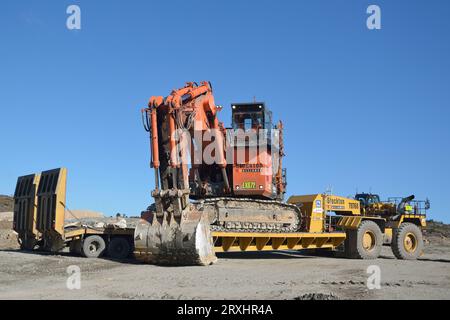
[39, 211]
[51, 199]
[25, 211]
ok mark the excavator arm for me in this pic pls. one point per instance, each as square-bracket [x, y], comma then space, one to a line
[173, 122]
[177, 229]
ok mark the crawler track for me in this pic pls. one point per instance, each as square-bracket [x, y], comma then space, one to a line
[247, 223]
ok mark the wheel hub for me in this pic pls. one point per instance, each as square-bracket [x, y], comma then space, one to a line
[368, 241]
[410, 242]
[93, 247]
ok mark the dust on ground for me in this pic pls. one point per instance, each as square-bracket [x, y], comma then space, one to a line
[251, 275]
[8, 238]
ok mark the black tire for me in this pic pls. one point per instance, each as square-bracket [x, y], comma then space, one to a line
[119, 248]
[93, 246]
[356, 247]
[407, 242]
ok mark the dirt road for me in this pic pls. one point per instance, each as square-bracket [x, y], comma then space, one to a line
[271, 275]
[236, 276]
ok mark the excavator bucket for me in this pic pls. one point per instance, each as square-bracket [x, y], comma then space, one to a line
[166, 241]
[25, 211]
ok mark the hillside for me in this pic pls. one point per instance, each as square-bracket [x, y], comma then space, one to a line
[437, 229]
[6, 203]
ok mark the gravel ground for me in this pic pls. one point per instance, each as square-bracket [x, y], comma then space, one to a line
[271, 275]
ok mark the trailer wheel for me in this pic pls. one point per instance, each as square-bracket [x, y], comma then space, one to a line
[407, 242]
[364, 242]
[93, 246]
[119, 248]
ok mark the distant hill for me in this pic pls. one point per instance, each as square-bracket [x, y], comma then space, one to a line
[82, 214]
[437, 228]
[6, 203]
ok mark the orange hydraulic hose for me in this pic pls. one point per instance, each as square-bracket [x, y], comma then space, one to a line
[175, 98]
[279, 175]
[198, 91]
[222, 162]
[155, 102]
[173, 150]
[155, 146]
[181, 91]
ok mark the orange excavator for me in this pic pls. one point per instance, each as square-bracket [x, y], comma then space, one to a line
[210, 178]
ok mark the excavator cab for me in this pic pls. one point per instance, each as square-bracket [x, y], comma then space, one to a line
[247, 116]
[255, 156]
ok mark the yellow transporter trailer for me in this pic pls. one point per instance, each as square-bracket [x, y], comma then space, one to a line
[315, 233]
[39, 220]
[332, 222]
[365, 233]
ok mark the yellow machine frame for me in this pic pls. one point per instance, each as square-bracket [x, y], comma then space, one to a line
[229, 242]
[315, 209]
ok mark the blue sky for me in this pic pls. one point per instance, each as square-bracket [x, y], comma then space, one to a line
[363, 110]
